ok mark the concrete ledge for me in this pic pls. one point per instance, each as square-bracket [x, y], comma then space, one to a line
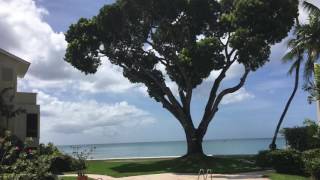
[26, 98]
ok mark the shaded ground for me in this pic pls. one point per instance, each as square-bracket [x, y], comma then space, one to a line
[219, 165]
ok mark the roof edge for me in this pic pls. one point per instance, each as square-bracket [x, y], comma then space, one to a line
[14, 57]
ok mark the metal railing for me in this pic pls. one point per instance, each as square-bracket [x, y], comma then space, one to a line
[205, 174]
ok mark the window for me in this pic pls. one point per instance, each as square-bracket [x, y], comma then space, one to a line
[32, 125]
[7, 74]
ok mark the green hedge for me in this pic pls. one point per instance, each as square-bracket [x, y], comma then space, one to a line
[287, 161]
[302, 138]
[311, 161]
[263, 159]
[63, 163]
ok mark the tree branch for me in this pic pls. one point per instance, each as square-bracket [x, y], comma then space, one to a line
[187, 96]
[211, 112]
[166, 59]
[214, 89]
[166, 104]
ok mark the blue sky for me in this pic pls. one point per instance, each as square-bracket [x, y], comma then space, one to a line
[105, 108]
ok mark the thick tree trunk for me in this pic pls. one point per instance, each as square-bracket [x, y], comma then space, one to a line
[194, 145]
[273, 144]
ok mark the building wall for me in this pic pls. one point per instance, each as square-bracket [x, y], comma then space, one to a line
[5, 62]
[24, 101]
[19, 123]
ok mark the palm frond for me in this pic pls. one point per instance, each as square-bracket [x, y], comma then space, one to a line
[288, 57]
[294, 66]
[308, 68]
[294, 52]
[317, 75]
[314, 10]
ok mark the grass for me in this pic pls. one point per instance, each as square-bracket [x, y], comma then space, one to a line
[122, 168]
[277, 176]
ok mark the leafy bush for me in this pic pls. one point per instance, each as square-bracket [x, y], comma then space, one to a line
[287, 161]
[21, 162]
[311, 161]
[63, 163]
[10, 147]
[263, 159]
[32, 165]
[59, 162]
[303, 138]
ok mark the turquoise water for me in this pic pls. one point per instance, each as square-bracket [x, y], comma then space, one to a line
[176, 148]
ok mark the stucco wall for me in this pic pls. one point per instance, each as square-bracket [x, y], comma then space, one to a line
[18, 124]
[25, 101]
[6, 62]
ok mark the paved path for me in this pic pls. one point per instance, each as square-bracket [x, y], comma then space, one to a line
[171, 176]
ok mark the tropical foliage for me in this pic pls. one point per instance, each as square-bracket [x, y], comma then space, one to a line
[304, 137]
[20, 161]
[306, 40]
[311, 160]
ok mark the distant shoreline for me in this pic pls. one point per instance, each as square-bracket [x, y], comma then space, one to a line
[173, 149]
[133, 158]
[173, 141]
[162, 157]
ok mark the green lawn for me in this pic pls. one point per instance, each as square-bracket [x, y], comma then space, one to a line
[277, 176]
[121, 168]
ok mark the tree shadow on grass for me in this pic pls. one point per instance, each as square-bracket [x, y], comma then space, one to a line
[180, 165]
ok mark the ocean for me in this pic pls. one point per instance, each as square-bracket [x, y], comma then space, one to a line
[174, 148]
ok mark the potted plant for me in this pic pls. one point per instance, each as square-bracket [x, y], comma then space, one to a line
[82, 154]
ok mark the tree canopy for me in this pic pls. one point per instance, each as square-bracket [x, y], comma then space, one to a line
[190, 38]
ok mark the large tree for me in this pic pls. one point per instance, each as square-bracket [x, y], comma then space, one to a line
[190, 38]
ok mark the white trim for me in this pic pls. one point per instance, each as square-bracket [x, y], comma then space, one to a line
[23, 65]
[2, 51]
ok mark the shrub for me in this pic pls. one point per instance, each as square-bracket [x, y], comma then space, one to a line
[49, 149]
[31, 165]
[287, 161]
[59, 162]
[303, 138]
[263, 159]
[10, 147]
[311, 161]
[82, 153]
[63, 163]
[19, 161]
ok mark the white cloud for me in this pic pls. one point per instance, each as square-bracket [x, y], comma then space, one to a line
[87, 116]
[236, 97]
[24, 33]
[108, 79]
[33, 39]
[235, 70]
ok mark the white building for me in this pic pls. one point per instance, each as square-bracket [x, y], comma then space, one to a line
[27, 124]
